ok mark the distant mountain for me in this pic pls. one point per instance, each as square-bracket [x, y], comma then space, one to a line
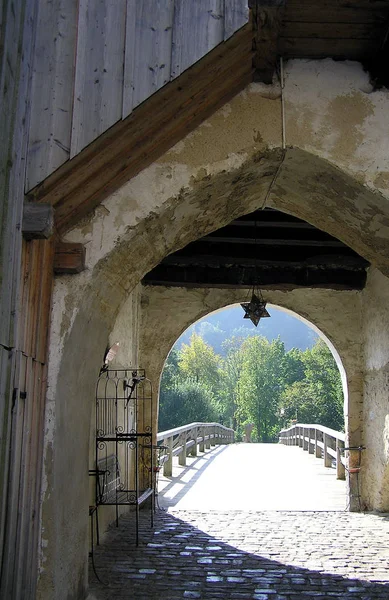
[216, 328]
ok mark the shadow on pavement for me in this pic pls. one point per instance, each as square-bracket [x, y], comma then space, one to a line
[177, 560]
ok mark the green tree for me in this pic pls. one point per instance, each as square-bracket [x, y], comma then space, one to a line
[185, 402]
[230, 374]
[261, 383]
[170, 373]
[318, 398]
[294, 366]
[198, 361]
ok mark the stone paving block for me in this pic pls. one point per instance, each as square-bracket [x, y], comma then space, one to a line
[290, 556]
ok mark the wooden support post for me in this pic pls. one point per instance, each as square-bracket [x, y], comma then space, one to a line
[182, 454]
[202, 443]
[305, 441]
[69, 258]
[317, 447]
[193, 450]
[208, 441]
[168, 465]
[301, 437]
[212, 432]
[38, 221]
[340, 469]
[327, 458]
[311, 445]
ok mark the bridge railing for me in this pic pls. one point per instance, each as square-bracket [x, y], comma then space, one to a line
[321, 441]
[187, 439]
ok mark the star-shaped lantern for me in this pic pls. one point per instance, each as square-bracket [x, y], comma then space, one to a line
[255, 310]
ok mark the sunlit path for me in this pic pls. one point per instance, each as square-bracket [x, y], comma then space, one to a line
[247, 521]
[253, 477]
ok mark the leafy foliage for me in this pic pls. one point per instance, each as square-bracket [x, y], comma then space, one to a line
[186, 402]
[318, 398]
[260, 385]
[254, 381]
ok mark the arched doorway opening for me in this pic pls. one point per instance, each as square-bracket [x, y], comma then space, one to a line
[201, 352]
[261, 388]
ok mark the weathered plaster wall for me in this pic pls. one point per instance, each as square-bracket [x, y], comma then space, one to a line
[375, 459]
[332, 111]
[230, 166]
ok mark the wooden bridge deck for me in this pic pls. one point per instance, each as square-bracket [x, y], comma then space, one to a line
[253, 477]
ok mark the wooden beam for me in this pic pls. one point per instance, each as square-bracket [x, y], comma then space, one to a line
[337, 11]
[272, 260]
[69, 258]
[38, 221]
[244, 277]
[267, 23]
[131, 145]
[215, 239]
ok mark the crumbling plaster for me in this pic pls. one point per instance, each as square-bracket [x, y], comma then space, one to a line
[203, 183]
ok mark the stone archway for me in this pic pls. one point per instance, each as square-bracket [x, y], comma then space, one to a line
[168, 312]
[129, 235]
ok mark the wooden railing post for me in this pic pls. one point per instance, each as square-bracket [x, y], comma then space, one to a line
[301, 436]
[305, 441]
[317, 447]
[168, 464]
[182, 454]
[212, 435]
[327, 457]
[311, 443]
[202, 443]
[208, 440]
[193, 435]
[340, 468]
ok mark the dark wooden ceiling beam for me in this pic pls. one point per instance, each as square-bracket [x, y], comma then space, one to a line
[243, 277]
[337, 11]
[319, 30]
[274, 242]
[271, 224]
[339, 49]
[328, 261]
[267, 23]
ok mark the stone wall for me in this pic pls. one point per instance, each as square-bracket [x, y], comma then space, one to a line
[375, 459]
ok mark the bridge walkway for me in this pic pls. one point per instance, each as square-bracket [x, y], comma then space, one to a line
[262, 549]
[253, 477]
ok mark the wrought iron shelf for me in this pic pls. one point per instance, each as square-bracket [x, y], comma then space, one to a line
[122, 437]
[127, 497]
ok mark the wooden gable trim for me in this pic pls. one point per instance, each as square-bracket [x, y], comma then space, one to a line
[131, 145]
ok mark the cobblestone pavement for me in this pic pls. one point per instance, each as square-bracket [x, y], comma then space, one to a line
[259, 555]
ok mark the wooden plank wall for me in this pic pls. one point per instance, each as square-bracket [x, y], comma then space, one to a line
[13, 76]
[107, 57]
[25, 296]
[20, 562]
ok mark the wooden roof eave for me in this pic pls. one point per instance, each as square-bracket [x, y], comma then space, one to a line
[134, 143]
